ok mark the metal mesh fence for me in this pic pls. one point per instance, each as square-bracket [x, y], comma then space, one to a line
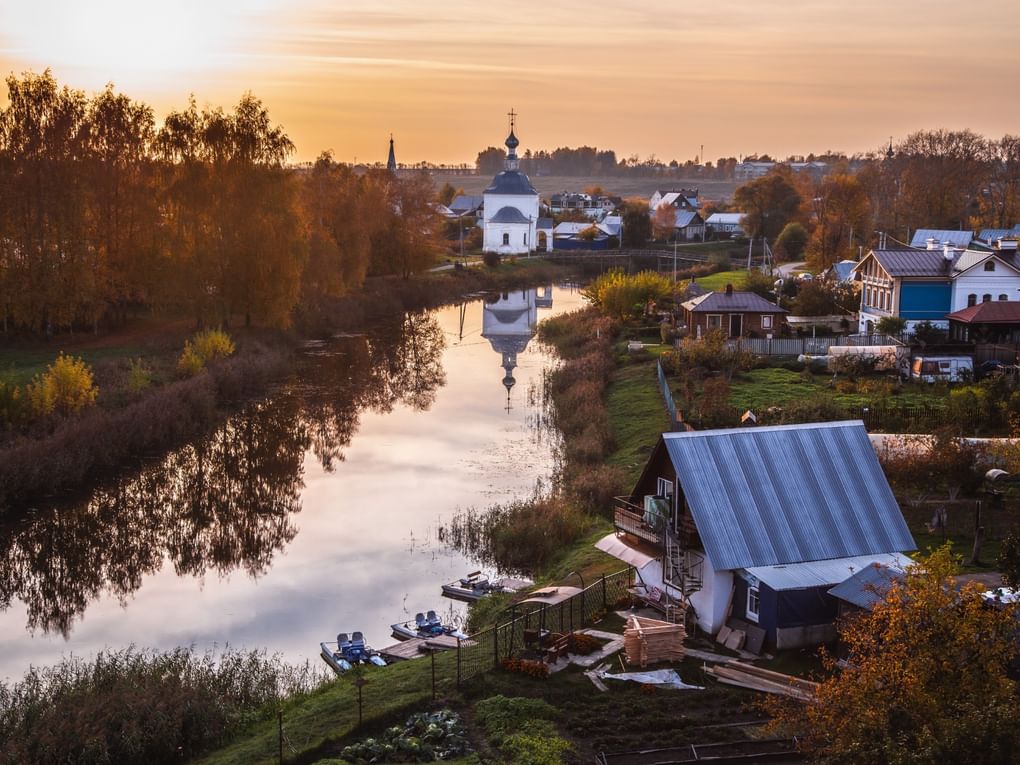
[488, 648]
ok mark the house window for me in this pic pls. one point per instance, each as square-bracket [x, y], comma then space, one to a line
[766, 322]
[664, 488]
[753, 604]
[714, 321]
[986, 298]
[990, 265]
[506, 238]
[971, 300]
[1003, 297]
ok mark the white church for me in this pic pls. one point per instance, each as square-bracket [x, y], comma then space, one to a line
[511, 221]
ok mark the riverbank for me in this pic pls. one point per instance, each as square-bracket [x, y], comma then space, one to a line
[59, 461]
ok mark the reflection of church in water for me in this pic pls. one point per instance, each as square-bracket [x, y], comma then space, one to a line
[508, 323]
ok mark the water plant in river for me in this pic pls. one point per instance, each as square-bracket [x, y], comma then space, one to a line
[518, 537]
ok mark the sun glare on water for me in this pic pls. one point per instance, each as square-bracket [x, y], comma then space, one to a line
[129, 42]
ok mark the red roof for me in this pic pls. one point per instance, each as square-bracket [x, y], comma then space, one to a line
[992, 312]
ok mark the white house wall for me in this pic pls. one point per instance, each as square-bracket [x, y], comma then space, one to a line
[711, 602]
[1003, 281]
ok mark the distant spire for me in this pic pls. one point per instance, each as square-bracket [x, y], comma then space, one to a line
[391, 161]
[889, 152]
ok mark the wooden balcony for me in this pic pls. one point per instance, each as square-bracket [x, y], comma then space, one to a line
[629, 518]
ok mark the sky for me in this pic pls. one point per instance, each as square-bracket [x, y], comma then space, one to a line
[657, 77]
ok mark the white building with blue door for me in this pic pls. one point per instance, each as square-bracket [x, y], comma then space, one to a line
[927, 285]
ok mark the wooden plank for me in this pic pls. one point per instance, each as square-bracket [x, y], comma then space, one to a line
[723, 635]
[735, 640]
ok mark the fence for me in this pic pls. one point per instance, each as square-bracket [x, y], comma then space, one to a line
[809, 346]
[503, 641]
[667, 394]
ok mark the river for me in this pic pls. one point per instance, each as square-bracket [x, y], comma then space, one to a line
[311, 512]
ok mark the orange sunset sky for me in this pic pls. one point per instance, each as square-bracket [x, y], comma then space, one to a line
[658, 77]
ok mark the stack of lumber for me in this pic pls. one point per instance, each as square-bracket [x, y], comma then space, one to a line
[647, 641]
[764, 680]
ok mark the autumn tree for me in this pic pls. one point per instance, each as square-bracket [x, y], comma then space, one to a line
[637, 225]
[940, 175]
[664, 222]
[447, 193]
[925, 678]
[768, 204]
[841, 210]
[791, 242]
[407, 240]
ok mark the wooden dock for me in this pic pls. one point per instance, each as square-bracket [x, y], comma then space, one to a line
[418, 647]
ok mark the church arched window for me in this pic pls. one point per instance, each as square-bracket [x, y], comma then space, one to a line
[525, 239]
[506, 238]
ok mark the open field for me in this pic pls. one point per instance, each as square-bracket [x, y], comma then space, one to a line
[713, 190]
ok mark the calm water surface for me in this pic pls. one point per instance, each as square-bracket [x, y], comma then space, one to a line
[312, 512]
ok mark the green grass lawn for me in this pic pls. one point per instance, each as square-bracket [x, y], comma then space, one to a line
[20, 365]
[637, 415]
[774, 386]
[718, 281]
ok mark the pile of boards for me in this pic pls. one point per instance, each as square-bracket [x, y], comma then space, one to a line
[647, 641]
[764, 680]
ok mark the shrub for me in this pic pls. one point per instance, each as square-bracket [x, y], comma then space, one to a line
[519, 536]
[891, 325]
[66, 388]
[491, 259]
[139, 376]
[14, 408]
[202, 348]
[134, 706]
[719, 260]
[624, 295]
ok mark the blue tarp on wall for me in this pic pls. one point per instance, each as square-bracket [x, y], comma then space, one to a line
[921, 301]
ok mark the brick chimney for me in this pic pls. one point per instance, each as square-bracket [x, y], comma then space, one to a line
[729, 289]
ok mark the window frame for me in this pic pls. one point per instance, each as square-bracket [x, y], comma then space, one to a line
[766, 321]
[753, 598]
[709, 319]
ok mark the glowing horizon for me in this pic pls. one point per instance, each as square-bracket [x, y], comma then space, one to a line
[741, 77]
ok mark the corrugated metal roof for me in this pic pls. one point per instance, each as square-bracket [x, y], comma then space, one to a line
[869, 585]
[823, 573]
[739, 302]
[544, 223]
[910, 262]
[725, 218]
[989, 235]
[786, 494]
[466, 202]
[685, 218]
[941, 236]
[509, 215]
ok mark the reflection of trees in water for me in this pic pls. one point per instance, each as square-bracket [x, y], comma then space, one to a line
[399, 362]
[223, 503]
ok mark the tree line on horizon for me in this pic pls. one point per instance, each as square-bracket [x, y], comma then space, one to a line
[102, 212]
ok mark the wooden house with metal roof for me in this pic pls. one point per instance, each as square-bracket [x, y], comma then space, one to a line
[759, 524]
